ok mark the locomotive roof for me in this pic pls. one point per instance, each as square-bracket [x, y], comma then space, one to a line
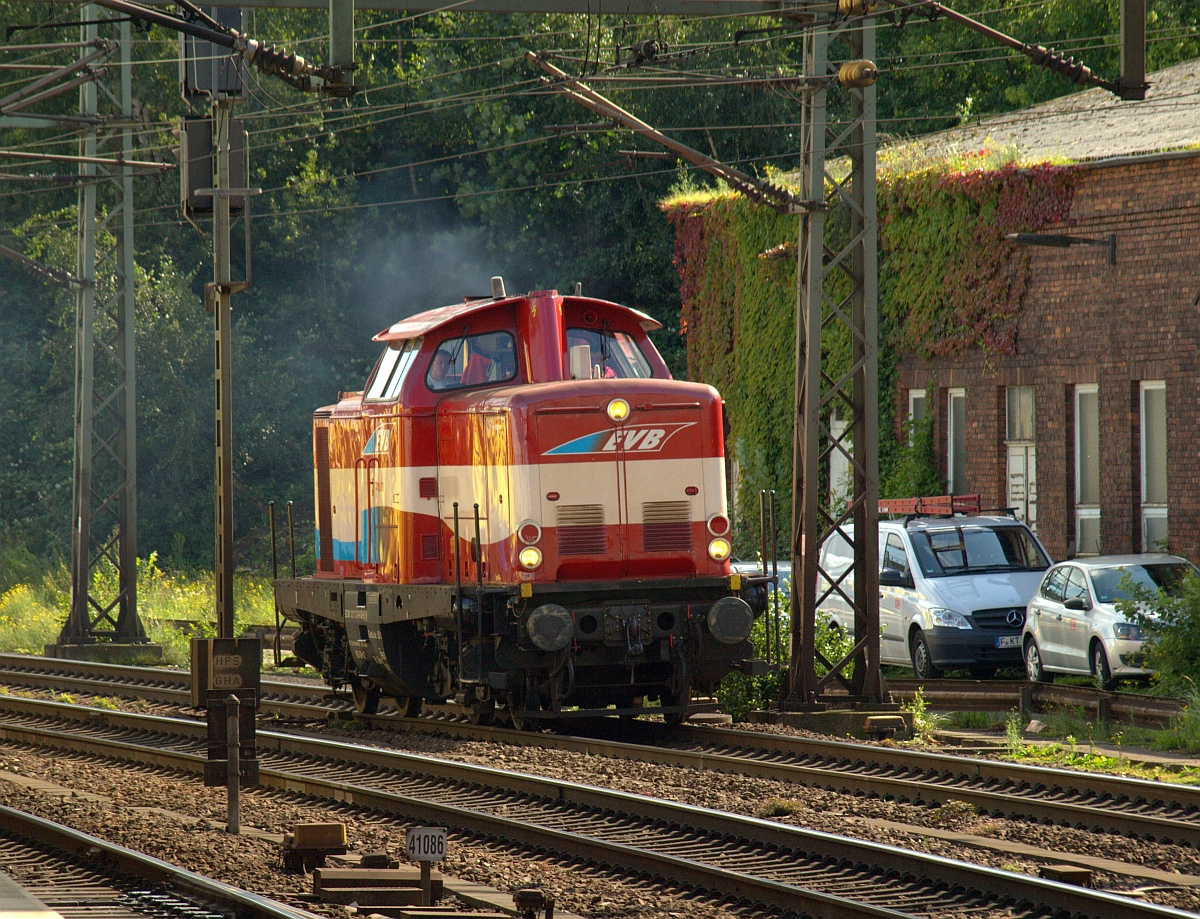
[426, 322]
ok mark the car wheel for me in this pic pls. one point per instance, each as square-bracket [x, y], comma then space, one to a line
[1100, 669]
[1034, 669]
[922, 660]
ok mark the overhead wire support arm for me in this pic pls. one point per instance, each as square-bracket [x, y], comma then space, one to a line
[29, 95]
[760, 190]
[290, 67]
[46, 273]
[1130, 86]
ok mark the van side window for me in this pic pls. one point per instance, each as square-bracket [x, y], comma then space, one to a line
[1053, 586]
[1076, 586]
[894, 556]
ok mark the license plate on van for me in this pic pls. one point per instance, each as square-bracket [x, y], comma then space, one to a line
[1008, 641]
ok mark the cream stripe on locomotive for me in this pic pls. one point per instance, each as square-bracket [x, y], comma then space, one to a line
[508, 495]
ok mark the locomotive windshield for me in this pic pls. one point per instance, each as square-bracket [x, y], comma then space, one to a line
[474, 360]
[611, 354]
[391, 369]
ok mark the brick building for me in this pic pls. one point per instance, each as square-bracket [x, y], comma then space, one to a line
[1092, 429]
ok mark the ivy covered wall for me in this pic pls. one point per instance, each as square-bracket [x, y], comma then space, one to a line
[948, 280]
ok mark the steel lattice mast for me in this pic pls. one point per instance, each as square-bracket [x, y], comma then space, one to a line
[837, 291]
[103, 611]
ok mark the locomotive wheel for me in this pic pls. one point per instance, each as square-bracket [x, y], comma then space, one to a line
[410, 706]
[481, 713]
[682, 699]
[366, 699]
[520, 723]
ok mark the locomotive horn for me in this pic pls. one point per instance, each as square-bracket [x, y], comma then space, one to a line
[497, 288]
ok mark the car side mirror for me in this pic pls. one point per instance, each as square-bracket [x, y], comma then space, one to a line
[890, 577]
[1077, 603]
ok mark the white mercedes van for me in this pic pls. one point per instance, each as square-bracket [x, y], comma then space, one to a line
[952, 591]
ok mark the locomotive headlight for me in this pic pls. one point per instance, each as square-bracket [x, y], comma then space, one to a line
[530, 557]
[618, 410]
[730, 620]
[719, 549]
[550, 627]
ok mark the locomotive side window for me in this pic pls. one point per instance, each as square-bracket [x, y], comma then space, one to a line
[612, 354]
[474, 360]
[391, 369]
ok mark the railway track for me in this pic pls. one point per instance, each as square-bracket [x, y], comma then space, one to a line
[1026, 697]
[1160, 811]
[83, 877]
[745, 860]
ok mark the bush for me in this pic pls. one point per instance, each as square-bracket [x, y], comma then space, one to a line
[1171, 620]
[32, 614]
[740, 694]
[30, 618]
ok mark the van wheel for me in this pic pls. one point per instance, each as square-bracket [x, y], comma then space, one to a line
[1034, 669]
[922, 660]
[1100, 669]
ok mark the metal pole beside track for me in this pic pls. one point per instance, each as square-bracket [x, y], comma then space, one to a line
[233, 776]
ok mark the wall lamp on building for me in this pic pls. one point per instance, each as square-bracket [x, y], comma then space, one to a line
[1063, 242]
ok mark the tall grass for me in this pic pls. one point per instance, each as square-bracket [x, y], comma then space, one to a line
[32, 614]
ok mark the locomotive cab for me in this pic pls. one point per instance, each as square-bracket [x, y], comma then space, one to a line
[521, 510]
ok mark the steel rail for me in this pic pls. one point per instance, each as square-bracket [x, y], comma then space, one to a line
[755, 861]
[106, 859]
[1165, 812]
[999, 695]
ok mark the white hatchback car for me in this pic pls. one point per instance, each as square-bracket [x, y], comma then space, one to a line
[1073, 624]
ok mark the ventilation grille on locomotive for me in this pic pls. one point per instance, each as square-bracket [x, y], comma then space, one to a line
[666, 526]
[580, 529]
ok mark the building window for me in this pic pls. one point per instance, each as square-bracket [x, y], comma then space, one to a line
[1154, 465]
[956, 440]
[916, 404]
[1022, 453]
[1087, 469]
[1020, 414]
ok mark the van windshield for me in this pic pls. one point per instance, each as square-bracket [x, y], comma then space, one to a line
[952, 551]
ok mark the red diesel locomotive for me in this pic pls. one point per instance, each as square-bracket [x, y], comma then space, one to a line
[523, 512]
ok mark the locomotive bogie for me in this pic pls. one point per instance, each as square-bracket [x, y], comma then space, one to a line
[613, 644]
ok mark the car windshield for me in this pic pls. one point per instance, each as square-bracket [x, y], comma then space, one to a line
[952, 551]
[1123, 582]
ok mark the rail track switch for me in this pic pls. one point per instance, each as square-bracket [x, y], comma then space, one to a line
[307, 845]
[530, 901]
[877, 727]
[377, 860]
[1068, 874]
[378, 888]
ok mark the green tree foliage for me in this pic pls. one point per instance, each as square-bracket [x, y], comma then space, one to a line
[441, 172]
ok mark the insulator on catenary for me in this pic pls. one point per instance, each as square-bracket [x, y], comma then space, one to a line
[274, 62]
[855, 7]
[858, 74]
[1068, 67]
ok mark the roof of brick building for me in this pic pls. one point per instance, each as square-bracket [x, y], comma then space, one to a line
[1089, 125]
